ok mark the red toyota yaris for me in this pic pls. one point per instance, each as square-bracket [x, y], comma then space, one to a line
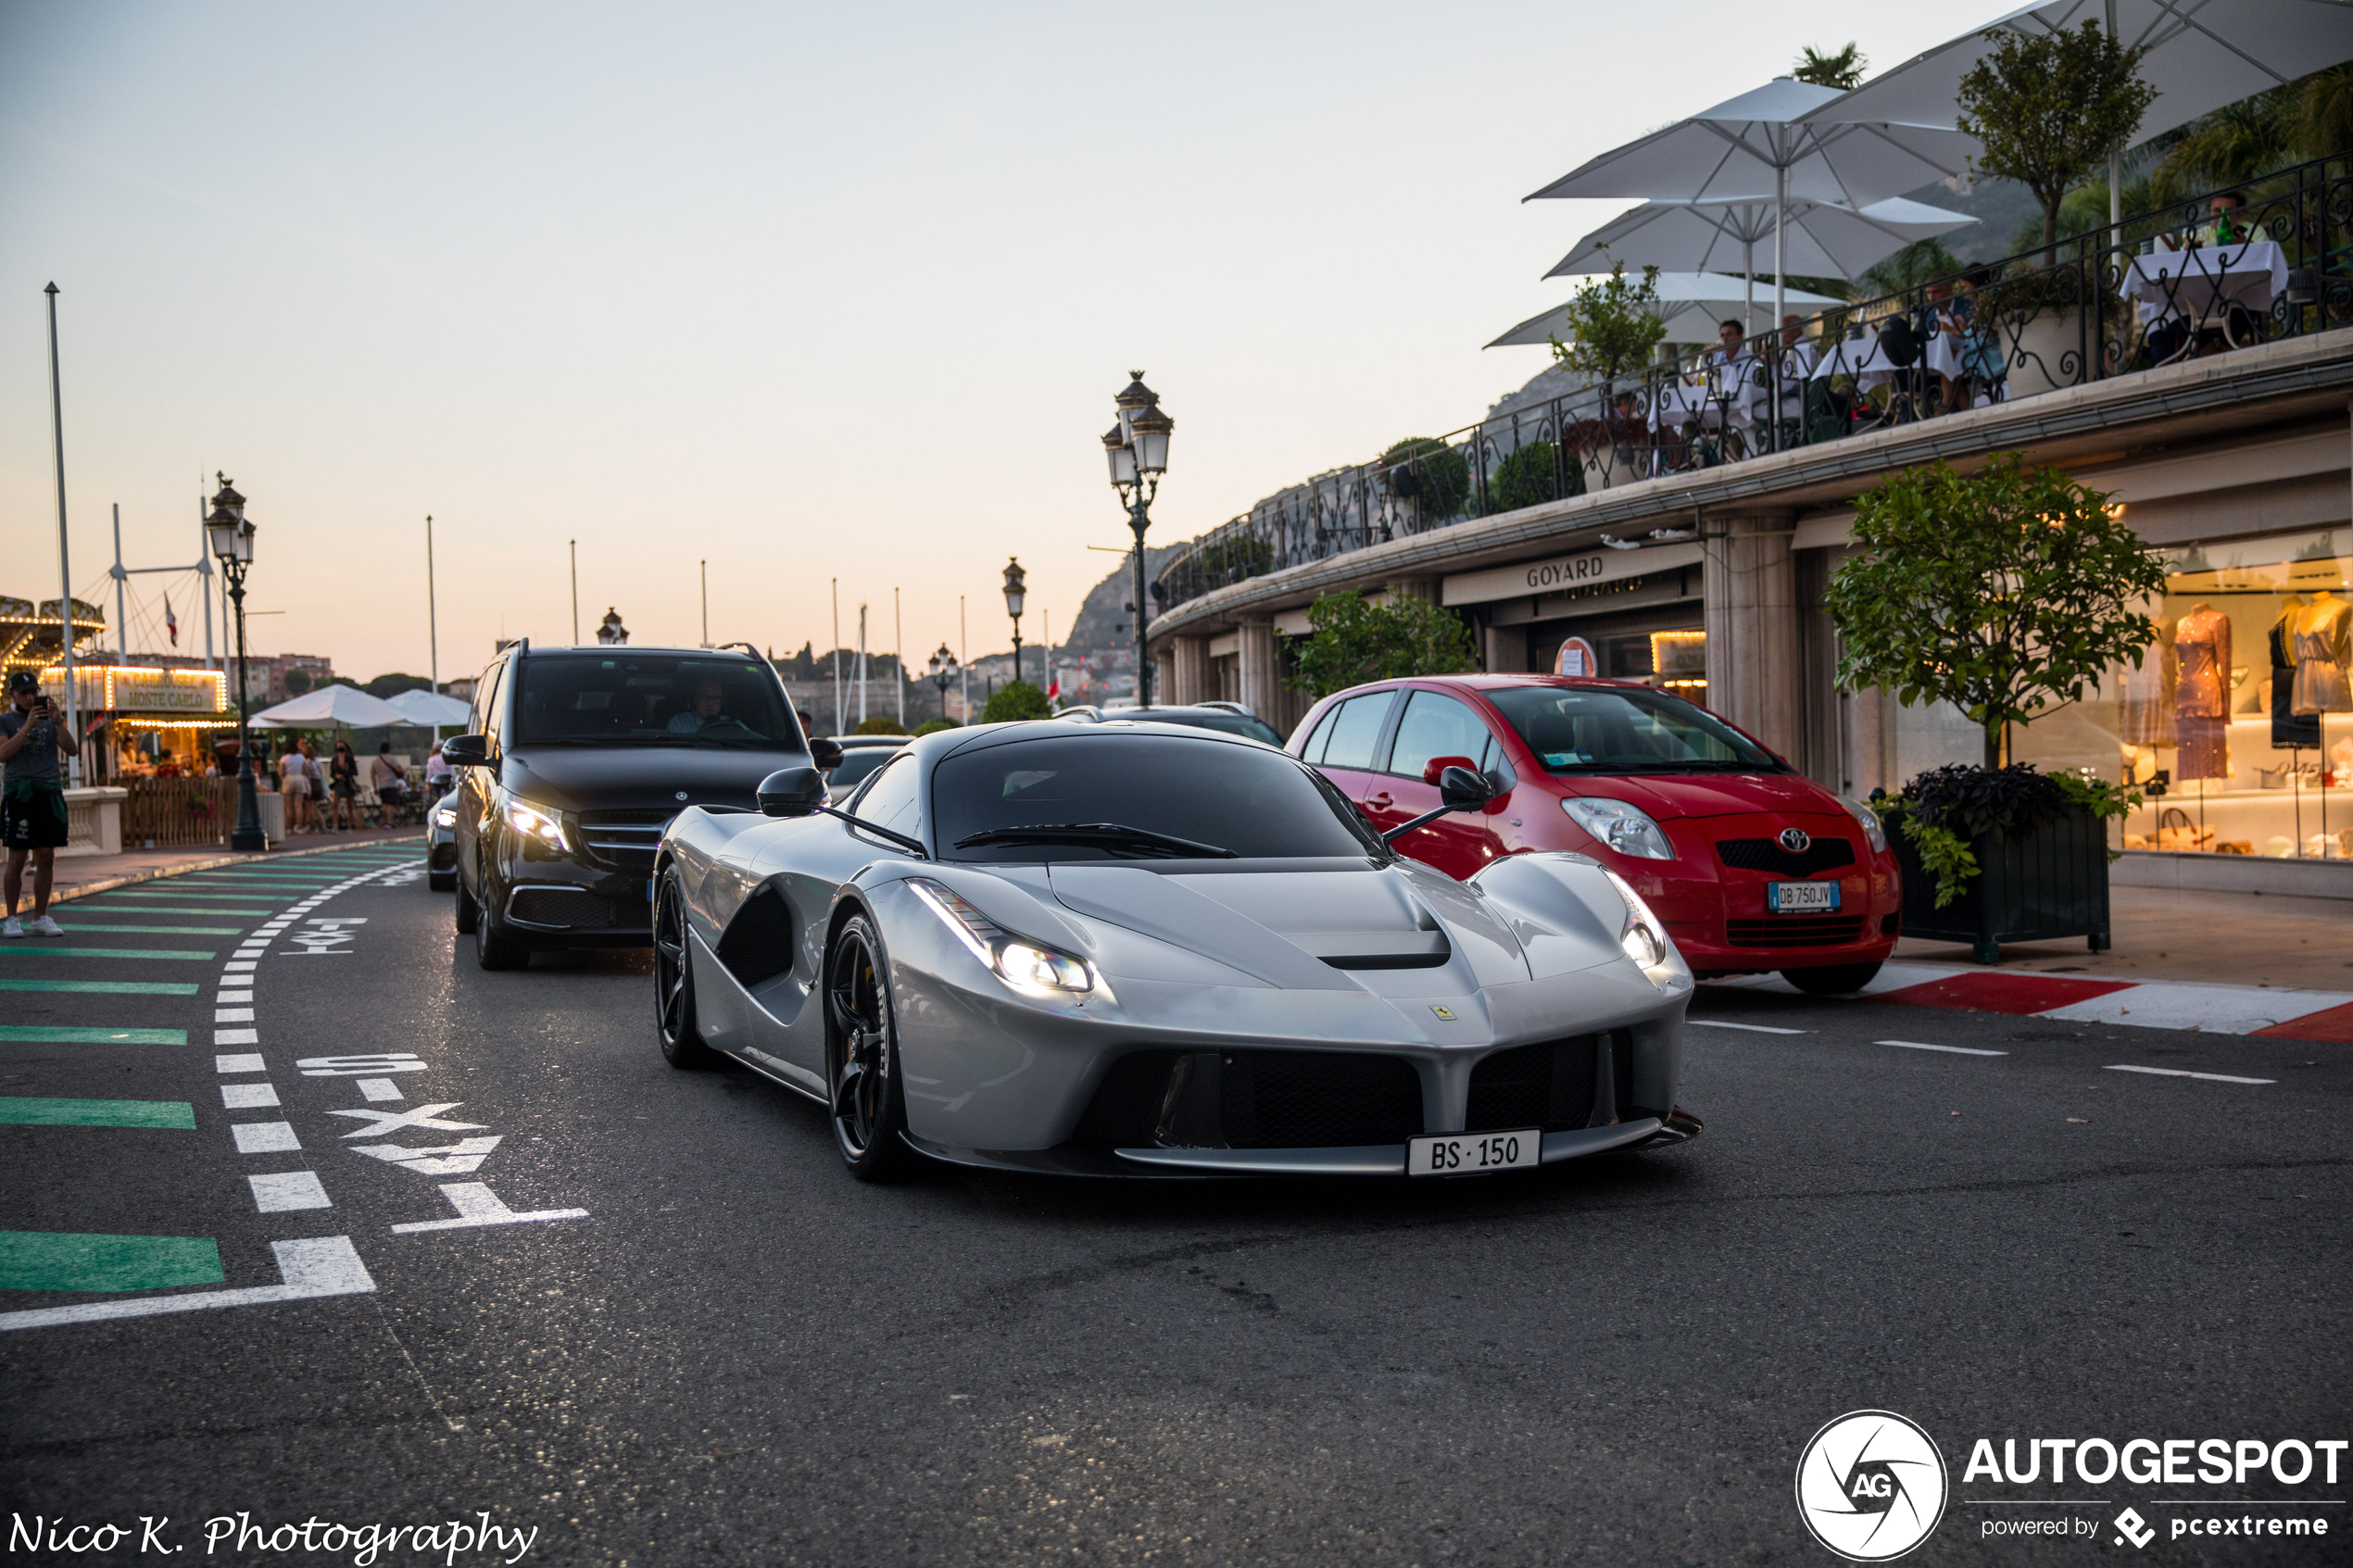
[1752, 866]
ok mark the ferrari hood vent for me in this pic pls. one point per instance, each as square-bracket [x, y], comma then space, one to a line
[1347, 920]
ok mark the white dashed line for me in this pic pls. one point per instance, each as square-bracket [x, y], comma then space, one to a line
[288, 1190]
[233, 1015]
[265, 1138]
[1750, 1028]
[1924, 1046]
[248, 1097]
[237, 1064]
[2180, 1073]
[236, 1036]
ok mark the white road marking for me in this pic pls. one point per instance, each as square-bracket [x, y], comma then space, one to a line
[234, 995]
[380, 1122]
[233, 1015]
[379, 1088]
[456, 1158]
[372, 1066]
[248, 1097]
[237, 1064]
[1752, 1028]
[477, 1205]
[287, 1191]
[265, 1138]
[2180, 1073]
[235, 965]
[236, 1036]
[327, 1265]
[1924, 1046]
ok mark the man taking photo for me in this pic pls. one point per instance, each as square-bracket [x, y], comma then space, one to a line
[32, 797]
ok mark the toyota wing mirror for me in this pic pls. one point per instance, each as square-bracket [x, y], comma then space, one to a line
[826, 754]
[466, 751]
[1462, 789]
[1438, 765]
[788, 792]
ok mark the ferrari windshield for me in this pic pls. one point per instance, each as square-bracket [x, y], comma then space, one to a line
[1071, 799]
[652, 699]
[1630, 730]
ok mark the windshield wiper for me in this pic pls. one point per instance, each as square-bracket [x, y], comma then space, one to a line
[1105, 833]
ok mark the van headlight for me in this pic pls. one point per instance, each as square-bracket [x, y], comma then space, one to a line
[1032, 968]
[1643, 939]
[541, 826]
[1873, 829]
[445, 816]
[1630, 830]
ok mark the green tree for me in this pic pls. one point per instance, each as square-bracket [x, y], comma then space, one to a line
[1016, 699]
[383, 688]
[297, 682]
[933, 726]
[1355, 640]
[2049, 107]
[2008, 593]
[1529, 477]
[1612, 326]
[880, 724]
[1430, 473]
[1841, 69]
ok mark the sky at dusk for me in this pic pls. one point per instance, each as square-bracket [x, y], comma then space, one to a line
[807, 292]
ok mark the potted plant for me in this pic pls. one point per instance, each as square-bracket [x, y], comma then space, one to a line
[1614, 329]
[2008, 593]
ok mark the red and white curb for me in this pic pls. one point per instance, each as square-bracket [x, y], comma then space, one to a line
[2274, 1012]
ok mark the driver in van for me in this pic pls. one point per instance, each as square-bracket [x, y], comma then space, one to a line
[710, 695]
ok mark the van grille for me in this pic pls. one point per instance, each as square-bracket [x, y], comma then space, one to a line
[570, 908]
[624, 840]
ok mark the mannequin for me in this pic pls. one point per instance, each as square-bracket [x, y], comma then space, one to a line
[2288, 727]
[2322, 643]
[2202, 648]
[2149, 692]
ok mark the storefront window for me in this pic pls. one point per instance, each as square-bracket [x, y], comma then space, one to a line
[2238, 726]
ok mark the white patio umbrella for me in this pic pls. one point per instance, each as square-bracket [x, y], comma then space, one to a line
[2202, 53]
[431, 709]
[1690, 303]
[1822, 239]
[1761, 147]
[338, 704]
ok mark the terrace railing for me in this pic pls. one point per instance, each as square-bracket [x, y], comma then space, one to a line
[2160, 287]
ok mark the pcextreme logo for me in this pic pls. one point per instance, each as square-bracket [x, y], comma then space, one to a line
[1870, 1486]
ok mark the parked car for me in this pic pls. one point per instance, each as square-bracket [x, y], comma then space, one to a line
[576, 761]
[861, 755]
[1753, 867]
[441, 842]
[1153, 950]
[1226, 718]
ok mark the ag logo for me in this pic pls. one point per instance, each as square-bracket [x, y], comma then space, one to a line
[1870, 1486]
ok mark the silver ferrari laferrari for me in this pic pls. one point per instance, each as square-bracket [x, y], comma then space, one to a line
[1138, 949]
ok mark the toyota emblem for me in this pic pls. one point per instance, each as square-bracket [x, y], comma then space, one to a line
[1795, 840]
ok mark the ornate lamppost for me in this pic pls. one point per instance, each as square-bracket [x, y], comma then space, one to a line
[943, 675]
[229, 534]
[1014, 593]
[1136, 448]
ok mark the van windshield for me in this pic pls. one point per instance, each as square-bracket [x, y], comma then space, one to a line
[652, 699]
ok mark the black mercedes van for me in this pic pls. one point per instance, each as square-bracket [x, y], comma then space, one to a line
[575, 761]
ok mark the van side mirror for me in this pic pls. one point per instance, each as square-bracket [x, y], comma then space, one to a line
[1462, 789]
[826, 754]
[788, 792]
[466, 751]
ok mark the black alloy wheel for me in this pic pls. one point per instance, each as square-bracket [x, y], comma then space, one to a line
[862, 1056]
[682, 1044]
[1832, 980]
[495, 949]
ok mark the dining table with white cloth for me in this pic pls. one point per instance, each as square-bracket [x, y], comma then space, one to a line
[2200, 284]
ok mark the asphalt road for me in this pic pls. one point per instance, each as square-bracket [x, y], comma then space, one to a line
[730, 1352]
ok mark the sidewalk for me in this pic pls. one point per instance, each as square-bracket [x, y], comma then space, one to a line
[80, 876]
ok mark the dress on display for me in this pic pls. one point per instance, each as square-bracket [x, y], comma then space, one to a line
[2149, 696]
[2202, 647]
[2288, 727]
[2323, 647]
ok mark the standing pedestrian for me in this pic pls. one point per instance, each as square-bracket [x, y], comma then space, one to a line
[314, 807]
[343, 783]
[294, 786]
[390, 775]
[32, 797]
[439, 774]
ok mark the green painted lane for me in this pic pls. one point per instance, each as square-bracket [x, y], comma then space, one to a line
[78, 908]
[161, 930]
[55, 1261]
[43, 950]
[53, 1035]
[17, 1111]
[110, 987]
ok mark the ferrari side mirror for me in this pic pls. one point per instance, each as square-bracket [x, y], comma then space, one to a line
[826, 754]
[1462, 789]
[788, 792]
[466, 751]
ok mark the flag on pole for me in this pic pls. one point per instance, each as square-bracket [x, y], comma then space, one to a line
[1054, 686]
[171, 622]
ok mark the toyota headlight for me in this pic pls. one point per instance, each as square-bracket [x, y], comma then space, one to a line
[539, 825]
[1873, 829]
[1032, 968]
[1630, 830]
[445, 816]
[1644, 938]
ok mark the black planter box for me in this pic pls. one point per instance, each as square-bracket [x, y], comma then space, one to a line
[2033, 885]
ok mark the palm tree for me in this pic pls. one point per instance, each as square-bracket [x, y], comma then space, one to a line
[1842, 69]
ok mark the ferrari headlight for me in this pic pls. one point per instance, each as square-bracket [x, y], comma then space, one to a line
[1873, 829]
[1032, 968]
[1627, 829]
[538, 824]
[445, 816]
[1646, 941]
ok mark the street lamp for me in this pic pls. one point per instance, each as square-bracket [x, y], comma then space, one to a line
[1136, 448]
[228, 536]
[1014, 577]
[943, 675]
